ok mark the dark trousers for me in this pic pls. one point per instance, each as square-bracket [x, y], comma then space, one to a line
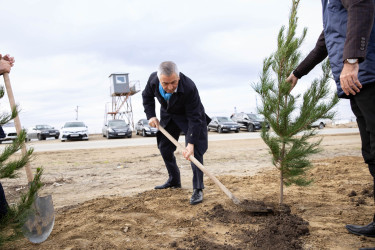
[3, 203]
[167, 149]
[363, 107]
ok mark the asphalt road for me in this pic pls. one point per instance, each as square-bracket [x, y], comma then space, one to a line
[56, 145]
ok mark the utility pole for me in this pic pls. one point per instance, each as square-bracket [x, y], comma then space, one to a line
[76, 110]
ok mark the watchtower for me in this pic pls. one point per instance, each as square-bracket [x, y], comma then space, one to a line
[121, 90]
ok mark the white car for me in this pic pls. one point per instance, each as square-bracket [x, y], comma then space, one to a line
[9, 131]
[74, 131]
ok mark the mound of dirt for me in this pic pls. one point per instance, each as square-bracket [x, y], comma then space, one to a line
[275, 230]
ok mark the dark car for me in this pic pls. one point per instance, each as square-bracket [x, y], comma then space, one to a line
[249, 121]
[223, 124]
[144, 129]
[321, 123]
[116, 129]
[42, 132]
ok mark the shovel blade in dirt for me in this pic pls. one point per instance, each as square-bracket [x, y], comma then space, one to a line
[39, 224]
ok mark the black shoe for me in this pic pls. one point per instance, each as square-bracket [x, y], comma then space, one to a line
[197, 197]
[368, 230]
[168, 185]
[367, 248]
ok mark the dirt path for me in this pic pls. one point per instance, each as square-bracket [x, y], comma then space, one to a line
[105, 200]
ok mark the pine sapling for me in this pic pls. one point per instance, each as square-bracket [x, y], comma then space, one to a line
[11, 224]
[289, 143]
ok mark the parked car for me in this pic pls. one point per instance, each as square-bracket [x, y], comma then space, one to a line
[223, 124]
[9, 131]
[74, 131]
[321, 123]
[116, 129]
[249, 121]
[144, 129]
[41, 132]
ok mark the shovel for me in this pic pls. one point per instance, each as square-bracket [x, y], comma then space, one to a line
[214, 179]
[39, 224]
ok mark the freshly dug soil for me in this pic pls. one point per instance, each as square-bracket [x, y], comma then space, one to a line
[105, 200]
[161, 219]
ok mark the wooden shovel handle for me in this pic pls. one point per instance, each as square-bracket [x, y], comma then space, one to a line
[17, 123]
[201, 167]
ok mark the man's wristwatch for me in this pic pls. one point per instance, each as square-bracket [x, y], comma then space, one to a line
[351, 61]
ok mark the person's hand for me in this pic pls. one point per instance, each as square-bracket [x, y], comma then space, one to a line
[8, 58]
[6, 63]
[154, 122]
[292, 79]
[189, 151]
[349, 79]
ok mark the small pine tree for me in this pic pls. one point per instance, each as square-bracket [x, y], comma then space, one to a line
[289, 145]
[11, 224]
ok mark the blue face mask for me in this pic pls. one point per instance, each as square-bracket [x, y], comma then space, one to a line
[164, 94]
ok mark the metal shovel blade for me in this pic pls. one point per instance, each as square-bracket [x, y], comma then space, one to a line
[39, 224]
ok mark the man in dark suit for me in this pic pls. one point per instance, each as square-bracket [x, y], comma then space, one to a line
[181, 110]
[6, 63]
[348, 39]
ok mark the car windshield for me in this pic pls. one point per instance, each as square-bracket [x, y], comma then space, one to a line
[74, 124]
[145, 122]
[43, 127]
[224, 119]
[117, 124]
[9, 124]
[256, 117]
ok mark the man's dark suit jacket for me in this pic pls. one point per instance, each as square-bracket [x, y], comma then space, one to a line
[184, 108]
[359, 29]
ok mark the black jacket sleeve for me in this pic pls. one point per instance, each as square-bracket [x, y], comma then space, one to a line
[194, 113]
[315, 57]
[148, 98]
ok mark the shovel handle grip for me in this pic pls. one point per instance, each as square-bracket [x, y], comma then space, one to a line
[17, 123]
[200, 166]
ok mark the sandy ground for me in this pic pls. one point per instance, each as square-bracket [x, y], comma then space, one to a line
[104, 199]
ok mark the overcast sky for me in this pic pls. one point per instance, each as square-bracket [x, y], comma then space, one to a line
[65, 50]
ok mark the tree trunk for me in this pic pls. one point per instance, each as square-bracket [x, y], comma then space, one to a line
[281, 174]
[281, 188]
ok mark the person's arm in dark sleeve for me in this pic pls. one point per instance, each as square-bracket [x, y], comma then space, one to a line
[359, 26]
[148, 98]
[315, 57]
[193, 115]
